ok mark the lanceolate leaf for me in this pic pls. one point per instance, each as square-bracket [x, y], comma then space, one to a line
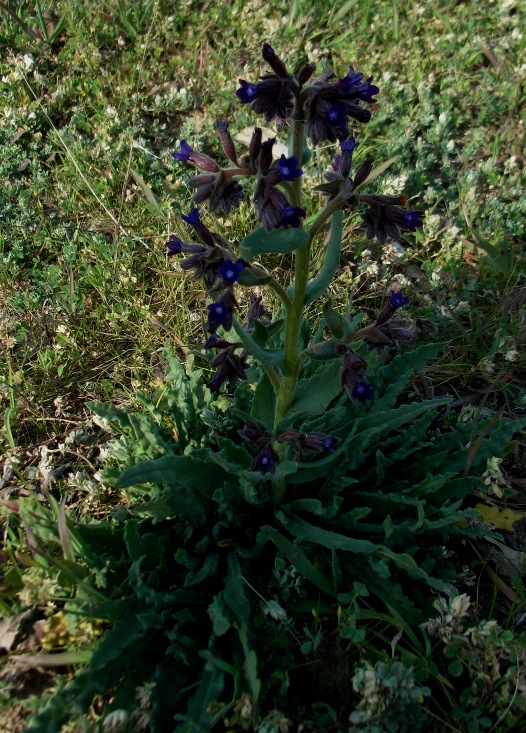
[323, 279]
[377, 171]
[314, 395]
[272, 357]
[299, 560]
[277, 240]
[392, 379]
[171, 469]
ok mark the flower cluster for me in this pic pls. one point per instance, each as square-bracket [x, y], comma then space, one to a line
[304, 445]
[218, 188]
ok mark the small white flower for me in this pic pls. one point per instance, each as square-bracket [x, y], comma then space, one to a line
[114, 720]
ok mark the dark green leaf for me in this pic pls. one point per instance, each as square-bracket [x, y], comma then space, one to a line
[299, 560]
[272, 357]
[185, 470]
[264, 403]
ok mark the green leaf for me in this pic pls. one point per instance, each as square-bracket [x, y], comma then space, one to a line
[209, 691]
[337, 324]
[219, 615]
[171, 469]
[313, 395]
[392, 379]
[264, 403]
[377, 171]
[278, 240]
[299, 560]
[318, 285]
[271, 357]
[332, 540]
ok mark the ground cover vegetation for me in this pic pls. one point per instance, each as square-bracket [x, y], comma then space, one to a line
[317, 529]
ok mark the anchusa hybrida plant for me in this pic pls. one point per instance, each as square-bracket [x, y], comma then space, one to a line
[312, 111]
[264, 529]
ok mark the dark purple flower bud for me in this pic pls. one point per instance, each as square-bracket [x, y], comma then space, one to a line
[266, 461]
[363, 392]
[230, 272]
[265, 154]
[412, 220]
[247, 92]
[252, 433]
[336, 162]
[184, 153]
[218, 189]
[274, 98]
[363, 171]
[174, 245]
[288, 168]
[226, 141]
[255, 145]
[352, 379]
[270, 204]
[397, 299]
[292, 216]
[256, 311]
[383, 219]
[277, 66]
[305, 73]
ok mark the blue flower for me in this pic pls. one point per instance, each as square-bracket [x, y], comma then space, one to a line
[288, 168]
[412, 220]
[247, 92]
[184, 153]
[397, 299]
[348, 145]
[174, 245]
[336, 116]
[363, 391]
[230, 271]
[266, 461]
[292, 216]
[192, 218]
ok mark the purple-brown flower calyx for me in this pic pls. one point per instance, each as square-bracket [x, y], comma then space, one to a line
[396, 300]
[384, 218]
[230, 367]
[306, 445]
[352, 379]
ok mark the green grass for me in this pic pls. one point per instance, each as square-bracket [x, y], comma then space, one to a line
[89, 193]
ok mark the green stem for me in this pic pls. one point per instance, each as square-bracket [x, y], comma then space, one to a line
[272, 375]
[293, 314]
[281, 293]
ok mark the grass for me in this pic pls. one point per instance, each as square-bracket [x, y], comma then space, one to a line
[92, 109]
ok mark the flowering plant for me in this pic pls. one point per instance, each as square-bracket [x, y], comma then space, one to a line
[315, 111]
[265, 530]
